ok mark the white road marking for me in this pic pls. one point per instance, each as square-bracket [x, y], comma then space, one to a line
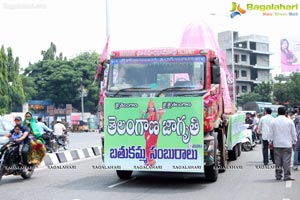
[285, 199]
[122, 182]
[288, 184]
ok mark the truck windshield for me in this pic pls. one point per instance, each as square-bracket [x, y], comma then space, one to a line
[156, 73]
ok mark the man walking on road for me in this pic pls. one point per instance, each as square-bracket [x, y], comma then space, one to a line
[42, 126]
[264, 129]
[282, 140]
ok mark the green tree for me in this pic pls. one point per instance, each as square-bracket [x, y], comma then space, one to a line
[60, 79]
[88, 63]
[293, 86]
[17, 95]
[4, 98]
[264, 90]
[287, 89]
[3, 73]
[16, 92]
[248, 97]
[50, 53]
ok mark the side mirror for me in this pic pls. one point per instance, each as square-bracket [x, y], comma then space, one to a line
[215, 71]
[104, 66]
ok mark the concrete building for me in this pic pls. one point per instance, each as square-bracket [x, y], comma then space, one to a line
[251, 59]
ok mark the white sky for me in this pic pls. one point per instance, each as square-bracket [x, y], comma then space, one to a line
[28, 26]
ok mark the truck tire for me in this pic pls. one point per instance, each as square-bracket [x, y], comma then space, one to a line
[124, 174]
[233, 154]
[222, 153]
[239, 149]
[211, 173]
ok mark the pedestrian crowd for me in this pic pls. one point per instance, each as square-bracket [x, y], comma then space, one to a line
[280, 137]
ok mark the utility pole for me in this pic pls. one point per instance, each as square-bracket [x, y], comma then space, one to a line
[83, 93]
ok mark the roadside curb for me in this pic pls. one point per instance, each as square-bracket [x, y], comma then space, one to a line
[70, 155]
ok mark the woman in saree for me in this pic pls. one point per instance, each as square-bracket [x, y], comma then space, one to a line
[37, 150]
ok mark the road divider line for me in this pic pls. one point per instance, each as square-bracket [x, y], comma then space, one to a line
[91, 152]
[70, 155]
[80, 153]
[288, 184]
[122, 182]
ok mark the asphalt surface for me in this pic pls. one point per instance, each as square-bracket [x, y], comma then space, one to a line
[245, 179]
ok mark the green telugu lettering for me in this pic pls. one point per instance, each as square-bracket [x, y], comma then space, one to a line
[271, 7]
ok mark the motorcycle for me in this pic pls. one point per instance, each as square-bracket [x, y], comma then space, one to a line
[54, 143]
[10, 160]
[247, 141]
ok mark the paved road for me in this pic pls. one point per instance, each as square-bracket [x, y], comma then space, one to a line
[246, 180]
[84, 139]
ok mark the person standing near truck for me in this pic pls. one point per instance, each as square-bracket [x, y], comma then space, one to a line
[282, 139]
[249, 120]
[264, 126]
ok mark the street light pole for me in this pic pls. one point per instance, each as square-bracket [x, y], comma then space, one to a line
[82, 103]
[83, 93]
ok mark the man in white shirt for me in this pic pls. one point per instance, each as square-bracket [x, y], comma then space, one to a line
[59, 128]
[264, 129]
[282, 140]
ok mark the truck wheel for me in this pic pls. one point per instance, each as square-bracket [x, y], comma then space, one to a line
[211, 173]
[124, 174]
[233, 154]
[239, 149]
[102, 154]
[222, 153]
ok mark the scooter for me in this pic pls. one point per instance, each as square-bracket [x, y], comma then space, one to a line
[247, 142]
[10, 160]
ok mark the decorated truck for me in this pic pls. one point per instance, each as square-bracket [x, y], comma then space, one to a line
[165, 110]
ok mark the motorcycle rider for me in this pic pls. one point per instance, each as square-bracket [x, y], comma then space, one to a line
[43, 128]
[59, 129]
[17, 134]
[42, 125]
[25, 132]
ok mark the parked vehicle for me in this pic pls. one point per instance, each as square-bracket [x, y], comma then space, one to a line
[10, 160]
[247, 142]
[53, 143]
[5, 126]
[259, 107]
